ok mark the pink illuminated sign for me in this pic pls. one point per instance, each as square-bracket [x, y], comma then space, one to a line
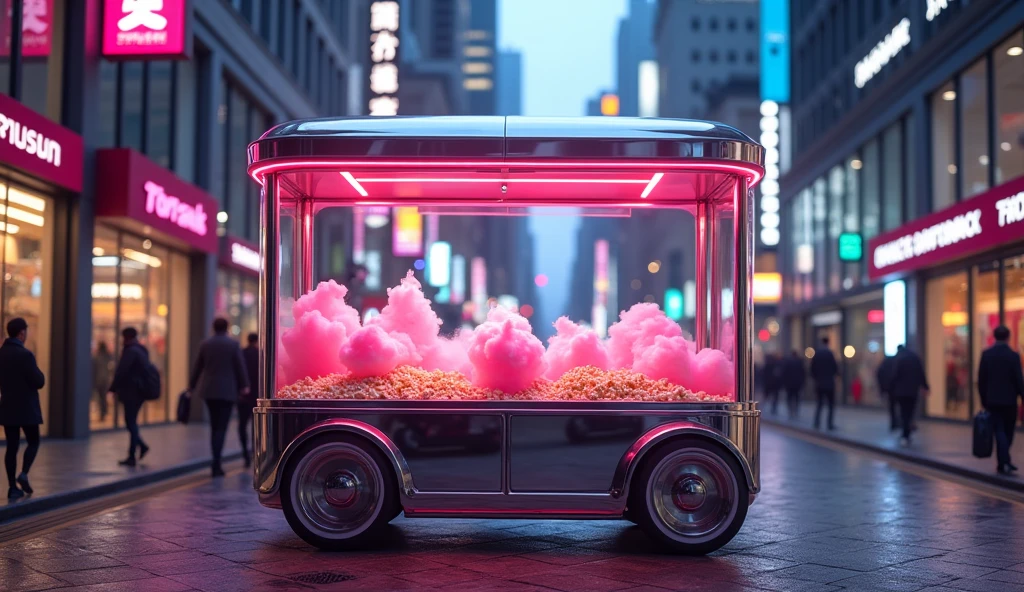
[38, 146]
[146, 28]
[132, 188]
[240, 255]
[36, 28]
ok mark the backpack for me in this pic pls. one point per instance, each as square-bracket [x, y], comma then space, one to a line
[149, 381]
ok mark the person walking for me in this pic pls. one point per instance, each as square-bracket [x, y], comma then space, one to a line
[883, 376]
[824, 370]
[102, 364]
[772, 381]
[247, 402]
[1000, 384]
[127, 386]
[907, 382]
[218, 378]
[793, 378]
[20, 381]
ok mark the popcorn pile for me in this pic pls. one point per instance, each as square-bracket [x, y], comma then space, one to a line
[585, 383]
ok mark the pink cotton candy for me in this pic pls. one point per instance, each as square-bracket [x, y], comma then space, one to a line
[408, 311]
[669, 358]
[449, 355]
[635, 330]
[371, 351]
[711, 372]
[505, 354]
[310, 347]
[328, 298]
[571, 347]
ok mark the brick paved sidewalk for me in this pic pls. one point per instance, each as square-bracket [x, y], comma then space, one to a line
[72, 471]
[939, 444]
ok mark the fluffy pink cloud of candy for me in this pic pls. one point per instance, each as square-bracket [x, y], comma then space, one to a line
[667, 357]
[505, 353]
[408, 311]
[329, 299]
[636, 330]
[450, 355]
[311, 347]
[712, 372]
[371, 351]
[573, 346]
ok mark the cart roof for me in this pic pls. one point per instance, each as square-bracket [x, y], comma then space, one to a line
[506, 160]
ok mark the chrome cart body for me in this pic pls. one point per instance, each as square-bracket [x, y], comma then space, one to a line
[511, 459]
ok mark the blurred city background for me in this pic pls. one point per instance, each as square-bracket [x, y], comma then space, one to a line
[881, 118]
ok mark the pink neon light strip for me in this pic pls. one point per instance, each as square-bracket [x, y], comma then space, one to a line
[499, 180]
[355, 184]
[651, 184]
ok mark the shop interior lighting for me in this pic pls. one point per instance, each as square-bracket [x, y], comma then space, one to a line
[355, 184]
[654, 266]
[9, 228]
[949, 95]
[20, 198]
[20, 215]
[1015, 51]
[849, 351]
[98, 251]
[222, 217]
[141, 257]
[952, 169]
[856, 164]
[1006, 146]
[110, 290]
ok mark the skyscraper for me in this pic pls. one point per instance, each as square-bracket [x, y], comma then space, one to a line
[510, 83]
[479, 55]
[635, 46]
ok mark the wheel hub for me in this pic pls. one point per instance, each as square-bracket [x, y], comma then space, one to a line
[341, 489]
[689, 493]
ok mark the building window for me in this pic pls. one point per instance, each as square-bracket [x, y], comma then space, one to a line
[751, 25]
[713, 24]
[870, 178]
[851, 213]
[138, 108]
[695, 56]
[820, 237]
[947, 361]
[893, 170]
[713, 56]
[695, 85]
[730, 24]
[1008, 66]
[243, 121]
[731, 56]
[972, 99]
[695, 24]
[750, 56]
[836, 201]
[159, 112]
[943, 144]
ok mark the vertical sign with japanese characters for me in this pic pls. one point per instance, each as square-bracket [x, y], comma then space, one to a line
[36, 25]
[383, 57]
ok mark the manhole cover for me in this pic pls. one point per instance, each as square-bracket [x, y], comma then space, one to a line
[322, 577]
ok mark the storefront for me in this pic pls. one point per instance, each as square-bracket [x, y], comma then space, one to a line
[968, 262]
[238, 275]
[40, 176]
[152, 230]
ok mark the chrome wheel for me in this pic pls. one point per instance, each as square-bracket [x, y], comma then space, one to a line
[694, 495]
[337, 490]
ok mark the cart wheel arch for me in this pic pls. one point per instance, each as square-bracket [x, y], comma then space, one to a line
[370, 434]
[633, 459]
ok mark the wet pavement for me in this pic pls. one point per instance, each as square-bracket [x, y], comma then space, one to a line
[827, 520]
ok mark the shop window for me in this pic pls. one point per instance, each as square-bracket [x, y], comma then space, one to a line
[105, 332]
[235, 300]
[1008, 65]
[836, 200]
[26, 259]
[972, 100]
[943, 144]
[863, 351]
[985, 316]
[947, 362]
[1013, 315]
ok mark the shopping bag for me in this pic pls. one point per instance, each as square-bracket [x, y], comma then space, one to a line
[184, 407]
[983, 435]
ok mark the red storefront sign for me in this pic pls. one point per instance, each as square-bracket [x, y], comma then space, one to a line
[986, 221]
[129, 185]
[154, 29]
[38, 146]
[36, 28]
[240, 255]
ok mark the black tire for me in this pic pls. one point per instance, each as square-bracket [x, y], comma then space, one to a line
[357, 468]
[690, 495]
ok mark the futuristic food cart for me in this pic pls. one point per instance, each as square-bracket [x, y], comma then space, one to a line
[644, 415]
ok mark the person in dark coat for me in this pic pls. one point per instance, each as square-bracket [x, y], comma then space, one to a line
[907, 382]
[824, 370]
[1000, 385]
[218, 378]
[883, 375]
[793, 378]
[20, 381]
[772, 380]
[246, 403]
[102, 364]
[127, 386]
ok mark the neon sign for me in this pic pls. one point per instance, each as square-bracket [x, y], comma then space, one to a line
[150, 28]
[167, 207]
[882, 54]
[384, 41]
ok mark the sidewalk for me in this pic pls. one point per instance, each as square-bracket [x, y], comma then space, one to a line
[71, 471]
[938, 444]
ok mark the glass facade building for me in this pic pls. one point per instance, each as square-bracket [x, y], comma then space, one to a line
[937, 130]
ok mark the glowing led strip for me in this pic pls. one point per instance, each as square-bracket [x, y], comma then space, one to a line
[651, 185]
[355, 184]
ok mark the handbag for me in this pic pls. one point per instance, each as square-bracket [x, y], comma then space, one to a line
[983, 435]
[184, 407]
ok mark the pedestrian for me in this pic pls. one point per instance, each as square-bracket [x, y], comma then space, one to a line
[793, 378]
[247, 402]
[219, 378]
[1000, 384]
[824, 370]
[883, 376]
[102, 364]
[906, 384]
[127, 386]
[20, 381]
[772, 381]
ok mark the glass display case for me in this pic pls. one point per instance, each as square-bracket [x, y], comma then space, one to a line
[535, 317]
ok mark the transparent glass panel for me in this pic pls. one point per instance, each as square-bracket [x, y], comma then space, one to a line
[893, 196]
[947, 362]
[974, 147]
[985, 316]
[943, 147]
[1008, 64]
[105, 264]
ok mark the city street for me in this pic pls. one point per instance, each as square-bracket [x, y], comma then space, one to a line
[827, 520]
